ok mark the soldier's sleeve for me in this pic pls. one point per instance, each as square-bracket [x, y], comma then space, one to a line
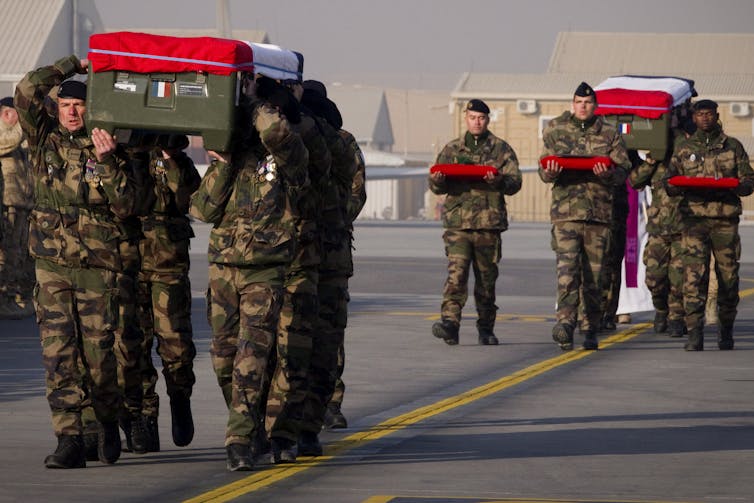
[641, 176]
[444, 157]
[358, 197]
[286, 146]
[122, 184]
[621, 163]
[209, 201]
[507, 165]
[675, 168]
[183, 179]
[745, 172]
[30, 96]
[548, 139]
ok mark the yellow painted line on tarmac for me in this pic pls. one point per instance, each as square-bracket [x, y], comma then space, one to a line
[269, 476]
[467, 499]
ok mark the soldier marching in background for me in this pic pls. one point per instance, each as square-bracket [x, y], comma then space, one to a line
[474, 216]
[17, 199]
[710, 222]
[82, 188]
[581, 211]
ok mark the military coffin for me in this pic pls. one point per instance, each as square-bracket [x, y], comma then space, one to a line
[643, 108]
[141, 83]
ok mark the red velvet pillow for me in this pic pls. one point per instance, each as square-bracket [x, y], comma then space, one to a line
[576, 162]
[462, 170]
[703, 182]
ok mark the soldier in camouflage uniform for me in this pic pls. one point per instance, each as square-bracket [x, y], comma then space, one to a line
[335, 267]
[474, 216]
[298, 314]
[246, 194]
[663, 253]
[82, 187]
[710, 221]
[164, 290]
[17, 199]
[581, 211]
[334, 417]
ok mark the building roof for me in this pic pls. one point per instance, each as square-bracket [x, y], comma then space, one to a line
[421, 121]
[22, 26]
[653, 53]
[256, 36]
[365, 113]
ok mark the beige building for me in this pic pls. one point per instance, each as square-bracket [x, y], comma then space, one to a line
[521, 104]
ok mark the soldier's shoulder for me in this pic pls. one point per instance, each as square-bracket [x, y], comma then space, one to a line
[734, 143]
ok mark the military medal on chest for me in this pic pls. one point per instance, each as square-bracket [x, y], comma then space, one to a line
[267, 169]
[91, 176]
[160, 172]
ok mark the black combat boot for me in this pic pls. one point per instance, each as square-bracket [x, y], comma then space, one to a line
[182, 421]
[447, 331]
[138, 434]
[153, 433]
[725, 338]
[676, 328]
[308, 444]
[239, 458]
[108, 447]
[487, 337]
[661, 323]
[283, 450]
[91, 442]
[334, 418]
[608, 323]
[590, 340]
[562, 333]
[69, 453]
[695, 341]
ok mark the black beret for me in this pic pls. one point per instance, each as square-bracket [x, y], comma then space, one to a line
[584, 90]
[72, 89]
[705, 105]
[7, 102]
[173, 141]
[478, 106]
[316, 86]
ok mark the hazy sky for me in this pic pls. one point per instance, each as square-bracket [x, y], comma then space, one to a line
[430, 43]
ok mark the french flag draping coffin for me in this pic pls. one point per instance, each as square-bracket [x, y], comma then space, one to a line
[141, 83]
[641, 108]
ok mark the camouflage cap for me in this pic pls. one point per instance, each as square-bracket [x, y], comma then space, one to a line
[477, 106]
[704, 105]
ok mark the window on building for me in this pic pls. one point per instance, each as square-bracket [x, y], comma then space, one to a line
[544, 120]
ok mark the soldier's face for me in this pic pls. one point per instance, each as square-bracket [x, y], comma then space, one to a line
[705, 120]
[476, 122]
[583, 107]
[71, 113]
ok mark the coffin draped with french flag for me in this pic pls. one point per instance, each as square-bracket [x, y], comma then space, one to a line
[140, 84]
[642, 107]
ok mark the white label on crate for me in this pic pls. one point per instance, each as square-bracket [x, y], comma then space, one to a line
[125, 86]
[190, 89]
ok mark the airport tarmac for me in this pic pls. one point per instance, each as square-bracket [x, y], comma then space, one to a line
[640, 420]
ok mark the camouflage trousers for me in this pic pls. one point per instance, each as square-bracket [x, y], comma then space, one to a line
[663, 258]
[16, 266]
[288, 381]
[611, 270]
[479, 250]
[77, 312]
[164, 311]
[701, 238]
[336, 400]
[329, 335]
[243, 308]
[580, 254]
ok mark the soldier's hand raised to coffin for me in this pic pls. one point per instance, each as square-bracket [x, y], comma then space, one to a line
[104, 143]
[84, 64]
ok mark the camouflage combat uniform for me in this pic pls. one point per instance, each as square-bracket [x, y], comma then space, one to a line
[164, 290]
[335, 268]
[582, 212]
[251, 244]
[288, 384]
[663, 253]
[17, 194]
[474, 216]
[710, 225]
[355, 204]
[75, 236]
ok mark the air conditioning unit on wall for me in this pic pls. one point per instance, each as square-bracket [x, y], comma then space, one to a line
[739, 109]
[526, 107]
